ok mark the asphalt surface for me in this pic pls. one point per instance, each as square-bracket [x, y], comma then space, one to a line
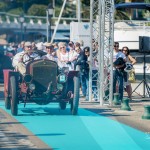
[14, 136]
[131, 118]
[15, 133]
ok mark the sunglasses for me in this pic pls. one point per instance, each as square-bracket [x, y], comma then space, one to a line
[77, 50]
[62, 47]
[116, 45]
[48, 47]
[29, 46]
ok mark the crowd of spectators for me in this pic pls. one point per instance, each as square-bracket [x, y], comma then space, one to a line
[70, 55]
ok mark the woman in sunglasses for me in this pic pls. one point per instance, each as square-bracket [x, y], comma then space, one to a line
[131, 60]
[63, 57]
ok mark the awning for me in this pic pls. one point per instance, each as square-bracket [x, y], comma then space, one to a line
[59, 36]
[133, 5]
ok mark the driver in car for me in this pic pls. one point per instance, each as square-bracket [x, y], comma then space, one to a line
[21, 59]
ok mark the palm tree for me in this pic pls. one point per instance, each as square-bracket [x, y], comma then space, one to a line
[120, 14]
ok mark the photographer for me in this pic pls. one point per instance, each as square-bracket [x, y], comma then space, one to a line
[119, 60]
[84, 71]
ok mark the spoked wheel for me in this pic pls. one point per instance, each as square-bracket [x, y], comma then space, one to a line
[75, 102]
[13, 92]
[62, 105]
[7, 103]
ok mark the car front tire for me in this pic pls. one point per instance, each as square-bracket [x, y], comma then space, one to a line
[13, 91]
[75, 103]
[7, 103]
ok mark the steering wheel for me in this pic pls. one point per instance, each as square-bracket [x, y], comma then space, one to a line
[30, 58]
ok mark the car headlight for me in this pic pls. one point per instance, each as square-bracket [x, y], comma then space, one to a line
[65, 69]
[62, 78]
[59, 86]
[27, 78]
[32, 86]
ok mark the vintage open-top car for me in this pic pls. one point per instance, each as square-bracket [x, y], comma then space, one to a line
[43, 83]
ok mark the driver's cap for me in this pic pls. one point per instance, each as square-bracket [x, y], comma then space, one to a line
[27, 44]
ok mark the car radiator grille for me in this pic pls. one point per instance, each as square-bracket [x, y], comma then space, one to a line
[43, 73]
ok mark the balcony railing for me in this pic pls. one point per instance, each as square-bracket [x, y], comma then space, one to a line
[10, 18]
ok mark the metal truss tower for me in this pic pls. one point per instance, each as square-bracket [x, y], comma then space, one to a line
[102, 34]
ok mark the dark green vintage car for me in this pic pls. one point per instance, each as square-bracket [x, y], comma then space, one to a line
[43, 83]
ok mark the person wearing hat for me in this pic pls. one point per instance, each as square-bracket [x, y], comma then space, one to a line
[51, 54]
[21, 59]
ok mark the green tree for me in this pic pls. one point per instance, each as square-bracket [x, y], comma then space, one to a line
[147, 1]
[2, 6]
[86, 2]
[119, 1]
[37, 10]
[16, 11]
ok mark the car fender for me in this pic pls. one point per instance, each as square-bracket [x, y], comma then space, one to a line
[7, 74]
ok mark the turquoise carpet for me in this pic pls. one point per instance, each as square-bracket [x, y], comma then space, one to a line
[87, 131]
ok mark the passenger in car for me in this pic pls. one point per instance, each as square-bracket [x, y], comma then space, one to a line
[63, 57]
[21, 59]
[51, 54]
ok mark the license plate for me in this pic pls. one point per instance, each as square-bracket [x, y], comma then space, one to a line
[62, 78]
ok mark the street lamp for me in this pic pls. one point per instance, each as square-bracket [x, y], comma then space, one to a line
[49, 14]
[24, 31]
[21, 20]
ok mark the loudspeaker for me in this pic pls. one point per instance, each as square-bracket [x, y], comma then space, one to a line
[144, 44]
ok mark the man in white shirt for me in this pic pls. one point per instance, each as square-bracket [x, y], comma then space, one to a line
[118, 76]
[21, 59]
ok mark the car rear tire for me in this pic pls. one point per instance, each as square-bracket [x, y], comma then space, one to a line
[13, 91]
[7, 103]
[62, 105]
[76, 95]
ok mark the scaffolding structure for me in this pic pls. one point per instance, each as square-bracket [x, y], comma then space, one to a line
[102, 34]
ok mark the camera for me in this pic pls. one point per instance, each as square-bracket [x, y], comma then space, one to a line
[68, 63]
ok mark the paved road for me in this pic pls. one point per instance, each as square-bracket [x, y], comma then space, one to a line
[42, 127]
[14, 136]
